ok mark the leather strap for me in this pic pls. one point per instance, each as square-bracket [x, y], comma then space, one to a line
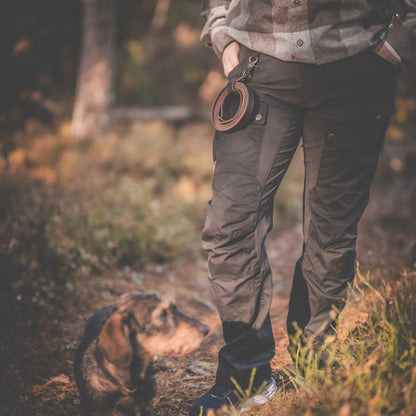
[221, 118]
[245, 110]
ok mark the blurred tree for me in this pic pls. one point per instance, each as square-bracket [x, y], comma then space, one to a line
[95, 75]
[160, 16]
[39, 46]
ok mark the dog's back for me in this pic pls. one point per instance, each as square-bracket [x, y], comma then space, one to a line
[83, 362]
[91, 332]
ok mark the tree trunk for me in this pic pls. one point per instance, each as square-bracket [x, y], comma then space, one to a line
[90, 116]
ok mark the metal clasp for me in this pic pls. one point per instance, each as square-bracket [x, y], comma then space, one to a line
[251, 66]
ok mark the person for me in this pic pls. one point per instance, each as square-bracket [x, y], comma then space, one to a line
[325, 74]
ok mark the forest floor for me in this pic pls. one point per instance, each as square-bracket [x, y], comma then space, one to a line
[39, 343]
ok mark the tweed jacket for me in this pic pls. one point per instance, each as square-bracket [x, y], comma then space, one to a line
[311, 31]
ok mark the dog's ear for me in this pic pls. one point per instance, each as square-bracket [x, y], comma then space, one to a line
[114, 341]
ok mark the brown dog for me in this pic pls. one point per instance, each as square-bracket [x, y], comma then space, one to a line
[113, 363]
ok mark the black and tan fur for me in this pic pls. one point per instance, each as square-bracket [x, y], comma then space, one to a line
[113, 363]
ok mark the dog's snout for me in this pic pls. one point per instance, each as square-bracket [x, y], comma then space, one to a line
[198, 325]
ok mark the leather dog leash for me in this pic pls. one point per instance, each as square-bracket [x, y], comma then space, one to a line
[247, 101]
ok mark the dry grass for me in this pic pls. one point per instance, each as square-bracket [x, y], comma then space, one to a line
[376, 350]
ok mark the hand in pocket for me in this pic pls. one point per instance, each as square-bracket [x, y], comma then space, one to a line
[230, 57]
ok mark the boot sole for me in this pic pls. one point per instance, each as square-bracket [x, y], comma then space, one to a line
[259, 398]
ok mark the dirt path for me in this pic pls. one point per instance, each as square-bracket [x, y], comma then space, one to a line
[37, 343]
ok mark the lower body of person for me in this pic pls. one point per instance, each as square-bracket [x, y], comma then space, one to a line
[340, 111]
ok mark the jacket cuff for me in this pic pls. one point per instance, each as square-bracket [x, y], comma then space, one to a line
[403, 41]
[220, 39]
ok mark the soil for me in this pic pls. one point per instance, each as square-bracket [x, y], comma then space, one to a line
[38, 340]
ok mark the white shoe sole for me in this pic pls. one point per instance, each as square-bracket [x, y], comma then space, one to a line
[259, 398]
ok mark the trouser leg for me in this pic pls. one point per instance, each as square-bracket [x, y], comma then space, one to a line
[249, 165]
[342, 145]
[336, 195]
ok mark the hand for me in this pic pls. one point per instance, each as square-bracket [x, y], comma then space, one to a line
[230, 57]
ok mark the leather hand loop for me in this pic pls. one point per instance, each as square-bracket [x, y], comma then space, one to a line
[226, 114]
[220, 115]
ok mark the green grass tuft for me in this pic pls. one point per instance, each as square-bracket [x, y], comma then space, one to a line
[377, 373]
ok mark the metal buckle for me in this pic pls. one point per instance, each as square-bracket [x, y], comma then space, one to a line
[251, 66]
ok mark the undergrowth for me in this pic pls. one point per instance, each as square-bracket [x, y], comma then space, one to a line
[124, 200]
[377, 373]
[48, 233]
[377, 360]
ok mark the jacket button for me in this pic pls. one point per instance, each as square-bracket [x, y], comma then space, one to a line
[299, 42]
[258, 117]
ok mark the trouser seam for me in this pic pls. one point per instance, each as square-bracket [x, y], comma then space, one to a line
[260, 198]
[309, 190]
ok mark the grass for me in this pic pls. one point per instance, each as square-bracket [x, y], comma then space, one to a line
[377, 373]
[377, 356]
[133, 197]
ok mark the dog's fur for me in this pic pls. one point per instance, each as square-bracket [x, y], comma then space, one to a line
[113, 363]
